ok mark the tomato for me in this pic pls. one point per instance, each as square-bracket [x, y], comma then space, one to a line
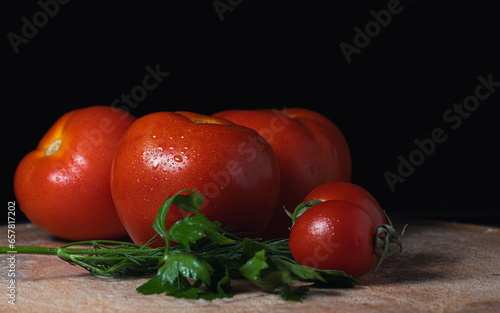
[310, 150]
[164, 152]
[334, 235]
[349, 192]
[63, 185]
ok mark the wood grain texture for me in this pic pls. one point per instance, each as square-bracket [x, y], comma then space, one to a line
[444, 267]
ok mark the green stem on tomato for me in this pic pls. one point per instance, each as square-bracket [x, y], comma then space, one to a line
[300, 209]
[387, 241]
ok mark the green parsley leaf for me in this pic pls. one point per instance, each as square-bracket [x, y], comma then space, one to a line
[189, 203]
[152, 286]
[292, 269]
[253, 267]
[296, 294]
[190, 229]
[334, 278]
[262, 272]
[174, 271]
[223, 287]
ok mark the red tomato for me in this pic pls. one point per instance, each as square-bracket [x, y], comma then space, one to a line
[349, 192]
[334, 235]
[63, 185]
[164, 152]
[310, 150]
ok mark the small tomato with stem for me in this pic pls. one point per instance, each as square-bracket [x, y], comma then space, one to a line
[340, 226]
[334, 235]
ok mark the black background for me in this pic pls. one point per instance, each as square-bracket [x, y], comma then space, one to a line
[271, 54]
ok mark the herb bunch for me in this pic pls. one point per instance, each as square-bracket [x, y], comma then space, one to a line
[202, 263]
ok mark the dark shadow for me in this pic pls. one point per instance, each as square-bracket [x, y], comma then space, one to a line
[410, 267]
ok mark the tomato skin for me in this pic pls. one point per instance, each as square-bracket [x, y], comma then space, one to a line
[164, 152]
[349, 192]
[334, 235]
[310, 150]
[67, 193]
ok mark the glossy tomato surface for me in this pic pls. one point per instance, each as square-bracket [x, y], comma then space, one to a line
[349, 192]
[334, 235]
[310, 150]
[63, 185]
[164, 152]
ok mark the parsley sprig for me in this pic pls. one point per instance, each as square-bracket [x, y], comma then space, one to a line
[202, 262]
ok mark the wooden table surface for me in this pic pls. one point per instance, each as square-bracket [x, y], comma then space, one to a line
[444, 267]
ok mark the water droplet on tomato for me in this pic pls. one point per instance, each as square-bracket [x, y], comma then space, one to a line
[178, 158]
